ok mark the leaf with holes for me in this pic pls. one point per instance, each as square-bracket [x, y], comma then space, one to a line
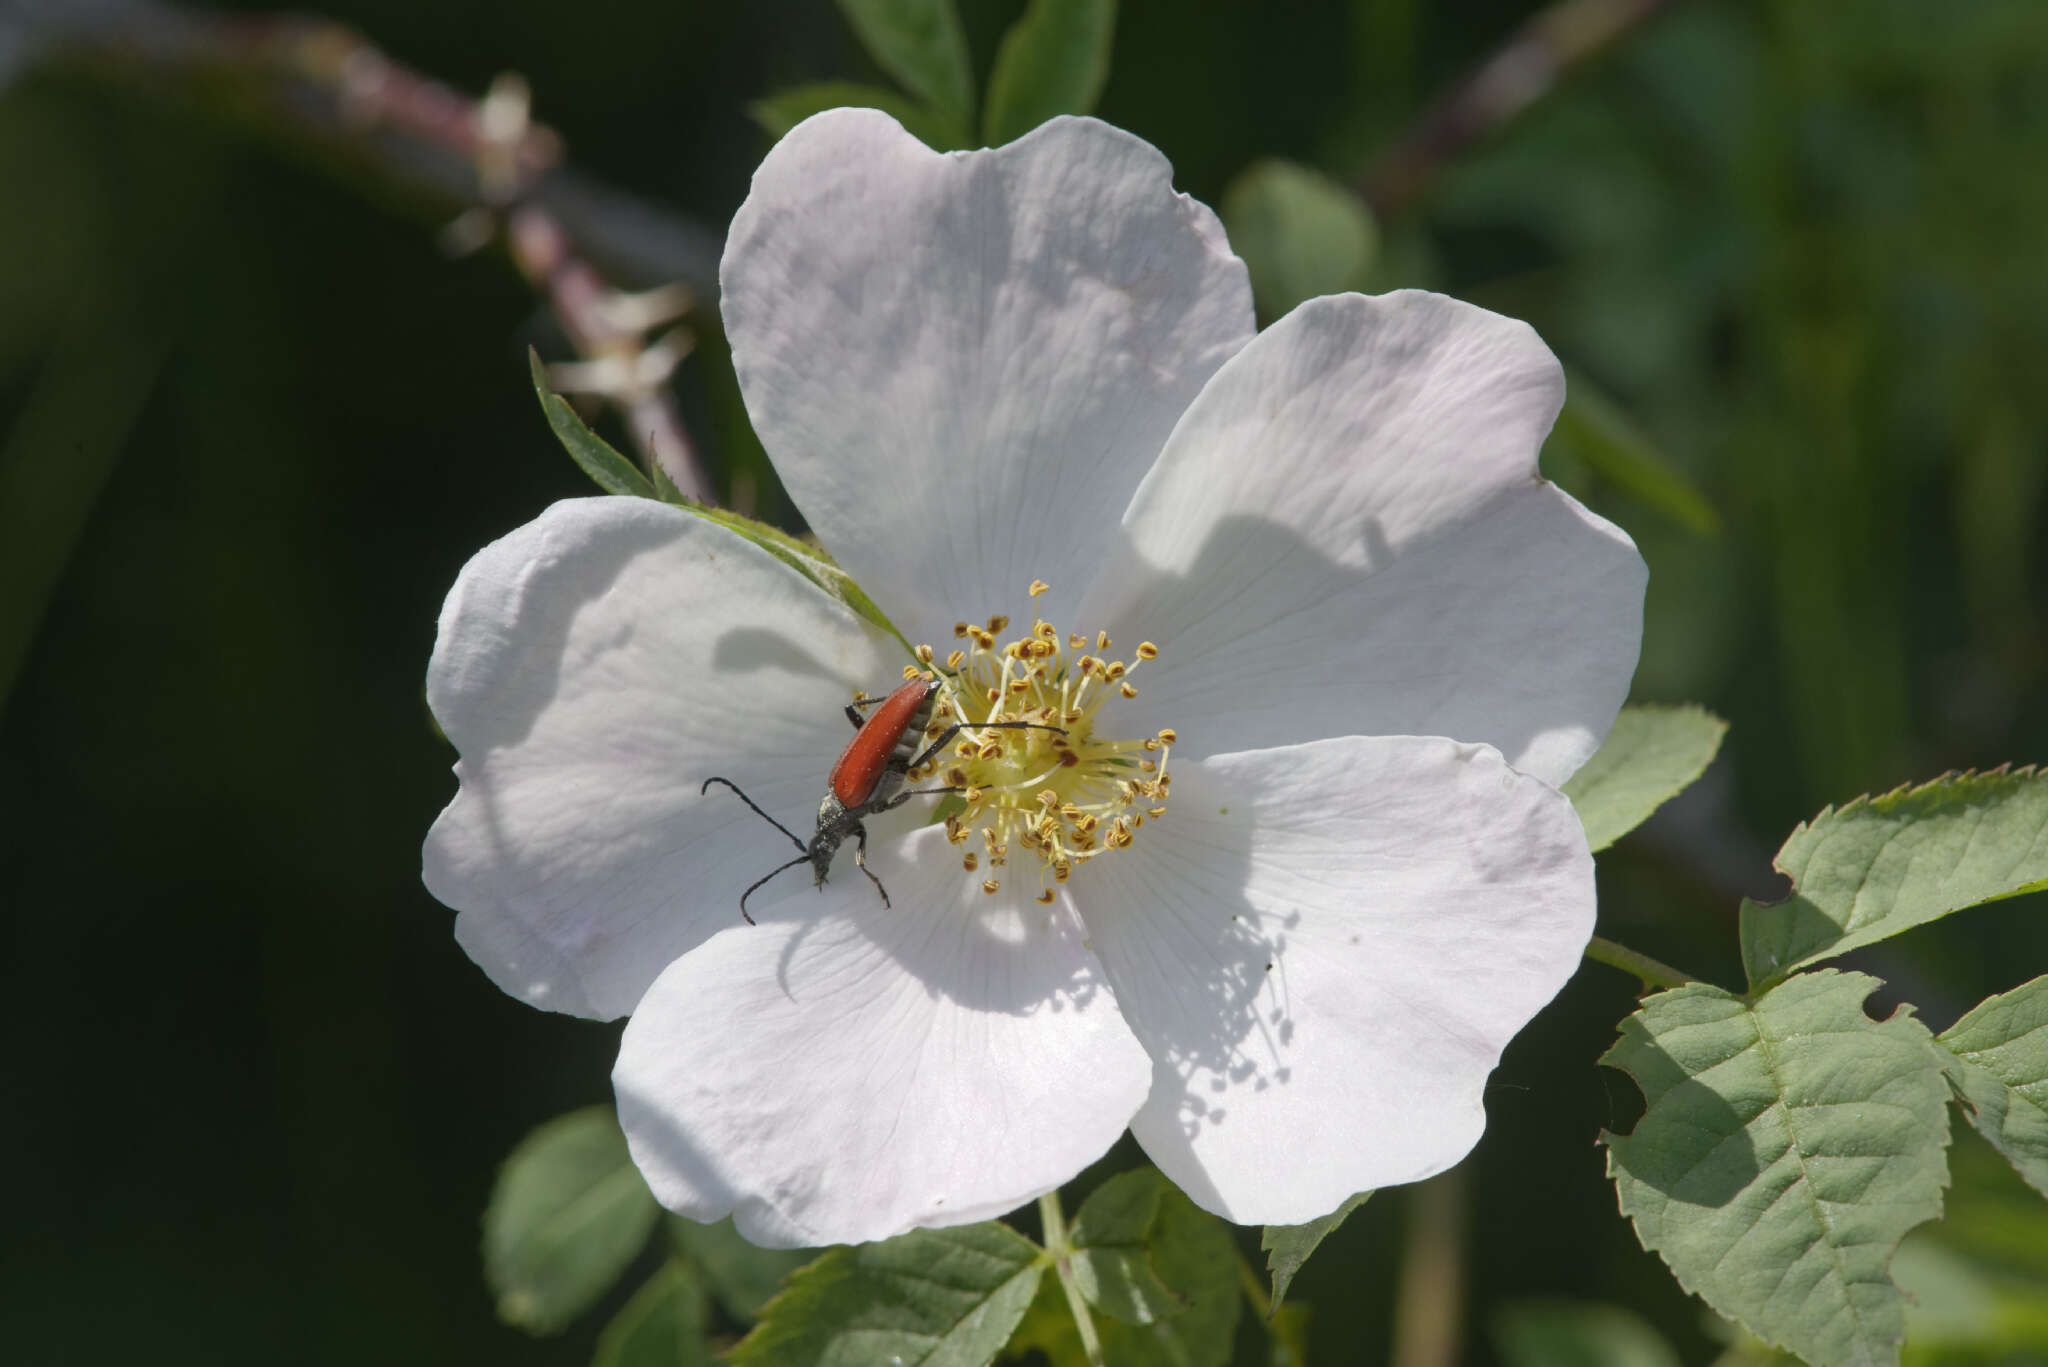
[1651, 756]
[1787, 1147]
[931, 1298]
[1287, 1246]
[2001, 1070]
[1881, 865]
[567, 1215]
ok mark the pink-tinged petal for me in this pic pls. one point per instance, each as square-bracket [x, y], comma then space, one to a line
[1325, 948]
[871, 1070]
[962, 364]
[1347, 535]
[593, 668]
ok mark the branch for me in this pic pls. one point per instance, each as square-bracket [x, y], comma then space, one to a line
[483, 163]
[1497, 91]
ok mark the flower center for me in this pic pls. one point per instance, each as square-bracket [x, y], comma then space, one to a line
[1061, 787]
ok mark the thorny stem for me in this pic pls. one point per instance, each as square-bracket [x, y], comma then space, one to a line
[1652, 972]
[485, 160]
[1518, 74]
[1055, 1222]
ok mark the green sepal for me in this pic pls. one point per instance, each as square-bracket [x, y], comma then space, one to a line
[1999, 1069]
[1287, 1246]
[595, 456]
[567, 1215]
[1054, 60]
[1881, 865]
[1594, 429]
[1651, 756]
[930, 1298]
[1789, 1143]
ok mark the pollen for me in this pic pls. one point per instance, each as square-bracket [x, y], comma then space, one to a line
[1041, 766]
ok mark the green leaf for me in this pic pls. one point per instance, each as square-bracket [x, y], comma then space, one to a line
[1577, 1334]
[1881, 865]
[931, 1298]
[2001, 1070]
[1054, 60]
[743, 1277]
[1301, 234]
[1599, 433]
[1651, 756]
[1787, 1147]
[1112, 1238]
[921, 44]
[785, 109]
[595, 456]
[661, 1326]
[567, 1215]
[1193, 1255]
[1287, 1246]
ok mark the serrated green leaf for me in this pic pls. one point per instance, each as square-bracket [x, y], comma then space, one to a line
[1054, 60]
[785, 109]
[1787, 1147]
[1301, 234]
[743, 1277]
[1577, 1334]
[1881, 865]
[1112, 1238]
[661, 1326]
[595, 456]
[1194, 1256]
[1651, 756]
[931, 1298]
[2001, 1070]
[1595, 429]
[567, 1215]
[921, 44]
[1287, 1246]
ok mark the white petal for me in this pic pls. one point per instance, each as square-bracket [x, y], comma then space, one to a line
[593, 669]
[1325, 948]
[875, 1070]
[962, 364]
[1347, 535]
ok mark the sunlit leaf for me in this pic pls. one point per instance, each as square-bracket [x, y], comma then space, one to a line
[1652, 755]
[1594, 428]
[743, 1277]
[2001, 1069]
[1112, 1236]
[1193, 1255]
[1881, 865]
[1287, 1246]
[921, 44]
[661, 1326]
[595, 456]
[567, 1215]
[1054, 60]
[1300, 233]
[931, 1298]
[1787, 1147]
[785, 109]
[1577, 1334]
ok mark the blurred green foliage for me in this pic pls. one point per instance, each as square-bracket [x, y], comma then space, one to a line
[251, 423]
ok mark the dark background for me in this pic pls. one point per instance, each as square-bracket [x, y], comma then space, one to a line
[252, 422]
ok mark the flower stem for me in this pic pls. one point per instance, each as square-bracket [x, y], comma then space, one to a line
[1652, 972]
[1055, 1222]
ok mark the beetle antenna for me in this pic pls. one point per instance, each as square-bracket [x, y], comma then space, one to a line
[800, 859]
[757, 812]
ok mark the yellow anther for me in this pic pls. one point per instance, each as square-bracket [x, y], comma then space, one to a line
[955, 659]
[993, 693]
[1046, 896]
[1149, 744]
[960, 630]
[1076, 641]
[1147, 766]
[1102, 640]
[1020, 686]
[973, 797]
[1116, 670]
[970, 861]
[1062, 870]
[1044, 631]
[1038, 586]
[990, 749]
[1128, 690]
[991, 887]
[1068, 759]
[1156, 811]
[1048, 799]
[1168, 736]
[912, 672]
[997, 623]
[1147, 651]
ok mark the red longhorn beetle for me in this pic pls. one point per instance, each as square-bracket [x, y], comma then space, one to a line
[868, 778]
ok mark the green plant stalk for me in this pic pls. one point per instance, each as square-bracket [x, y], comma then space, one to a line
[1055, 1222]
[1652, 972]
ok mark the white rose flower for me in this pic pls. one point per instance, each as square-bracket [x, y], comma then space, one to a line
[1320, 639]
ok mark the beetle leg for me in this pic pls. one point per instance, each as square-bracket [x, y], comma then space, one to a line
[860, 856]
[901, 798]
[947, 735]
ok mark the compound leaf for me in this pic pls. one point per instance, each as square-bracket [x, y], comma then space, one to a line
[2001, 1071]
